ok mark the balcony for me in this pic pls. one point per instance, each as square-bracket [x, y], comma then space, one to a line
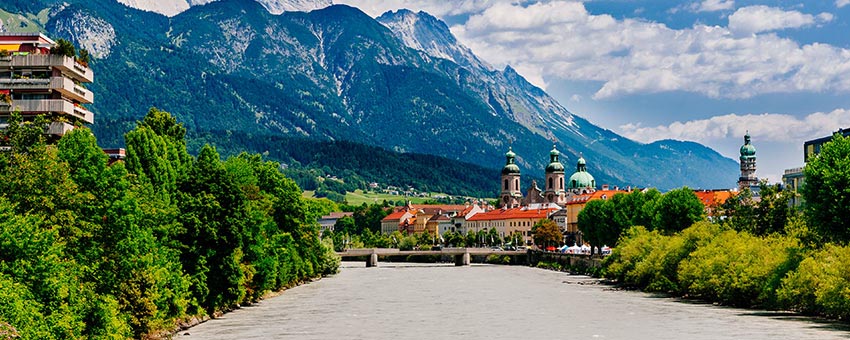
[25, 84]
[43, 106]
[64, 85]
[68, 65]
[68, 89]
[58, 128]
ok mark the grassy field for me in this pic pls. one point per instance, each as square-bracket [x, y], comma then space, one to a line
[359, 197]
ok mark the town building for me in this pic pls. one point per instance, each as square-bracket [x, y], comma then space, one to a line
[712, 200]
[419, 218]
[792, 180]
[509, 221]
[575, 205]
[812, 147]
[459, 220]
[557, 193]
[328, 222]
[748, 179]
[33, 81]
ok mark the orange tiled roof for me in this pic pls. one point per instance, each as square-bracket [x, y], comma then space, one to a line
[508, 214]
[394, 216]
[466, 211]
[599, 194]
[711, 197]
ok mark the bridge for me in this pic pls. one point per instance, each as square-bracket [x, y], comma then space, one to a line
[462, 256]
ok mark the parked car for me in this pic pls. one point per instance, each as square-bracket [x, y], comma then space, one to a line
[523, 248]
[496, 248]
[509, 248]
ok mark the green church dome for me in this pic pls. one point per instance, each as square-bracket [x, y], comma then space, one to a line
[554, 164]
[581, 178]
[510, 167]
[747, 150]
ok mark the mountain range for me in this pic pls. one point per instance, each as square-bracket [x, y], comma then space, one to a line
[401, 82]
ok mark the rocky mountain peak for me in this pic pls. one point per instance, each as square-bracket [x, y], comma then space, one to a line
[422, 31]
[88, 31]
[173, 7]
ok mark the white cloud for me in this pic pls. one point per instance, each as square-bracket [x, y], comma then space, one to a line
[755, 19]
[715, 5]
[766, 127]
[841, 3]
[635, 56]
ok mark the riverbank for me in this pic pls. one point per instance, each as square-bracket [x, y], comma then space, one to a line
[184, 327]
[710, 263]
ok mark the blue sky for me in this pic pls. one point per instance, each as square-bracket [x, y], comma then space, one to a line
[698, 70]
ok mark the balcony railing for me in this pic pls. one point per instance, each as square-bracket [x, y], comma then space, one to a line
[67, 64]
[42, 106]
[64, 85]
[58, 128]
[24, 83]
[68, 89]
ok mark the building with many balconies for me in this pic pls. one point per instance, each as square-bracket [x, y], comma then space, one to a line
[35, 82]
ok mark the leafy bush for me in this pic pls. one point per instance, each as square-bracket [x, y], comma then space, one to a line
[658, 271]
[635, 245]
[739, 269]
[821, 284]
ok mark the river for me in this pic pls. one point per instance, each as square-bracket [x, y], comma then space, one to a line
[411, 301]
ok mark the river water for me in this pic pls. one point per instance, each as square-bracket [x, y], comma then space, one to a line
[411, 301]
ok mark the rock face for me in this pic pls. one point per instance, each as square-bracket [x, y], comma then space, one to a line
[173, 7]
[91, 33]
[237, 74]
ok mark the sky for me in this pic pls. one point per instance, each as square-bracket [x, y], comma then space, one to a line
[706, 71]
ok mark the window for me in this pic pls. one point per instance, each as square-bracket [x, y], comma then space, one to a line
[562, 183]
[550, 183]
[506, 184]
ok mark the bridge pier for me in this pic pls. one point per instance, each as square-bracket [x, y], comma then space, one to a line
[372, 260]
[462, 259]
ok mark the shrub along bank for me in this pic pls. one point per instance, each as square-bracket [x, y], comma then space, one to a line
[713, 263]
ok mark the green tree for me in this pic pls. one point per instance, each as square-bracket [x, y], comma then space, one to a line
[213, 211]
[826, 190]
[84, 56]
[594, 221]
[769, 214]
[546, 232]
[156, 151]
[64, 47]
[677, 210]
[345, 225]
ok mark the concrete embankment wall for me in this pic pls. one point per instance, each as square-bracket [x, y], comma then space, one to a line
[566, 260]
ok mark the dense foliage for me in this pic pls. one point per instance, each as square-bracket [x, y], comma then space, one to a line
[827, 190]
[603, 221]
[761, 253]
[91, 250]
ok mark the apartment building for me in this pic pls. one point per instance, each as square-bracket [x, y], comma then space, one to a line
[35, 82]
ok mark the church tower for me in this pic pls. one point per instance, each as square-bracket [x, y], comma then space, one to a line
[511, 195]
[748, 165]
[554, 179]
